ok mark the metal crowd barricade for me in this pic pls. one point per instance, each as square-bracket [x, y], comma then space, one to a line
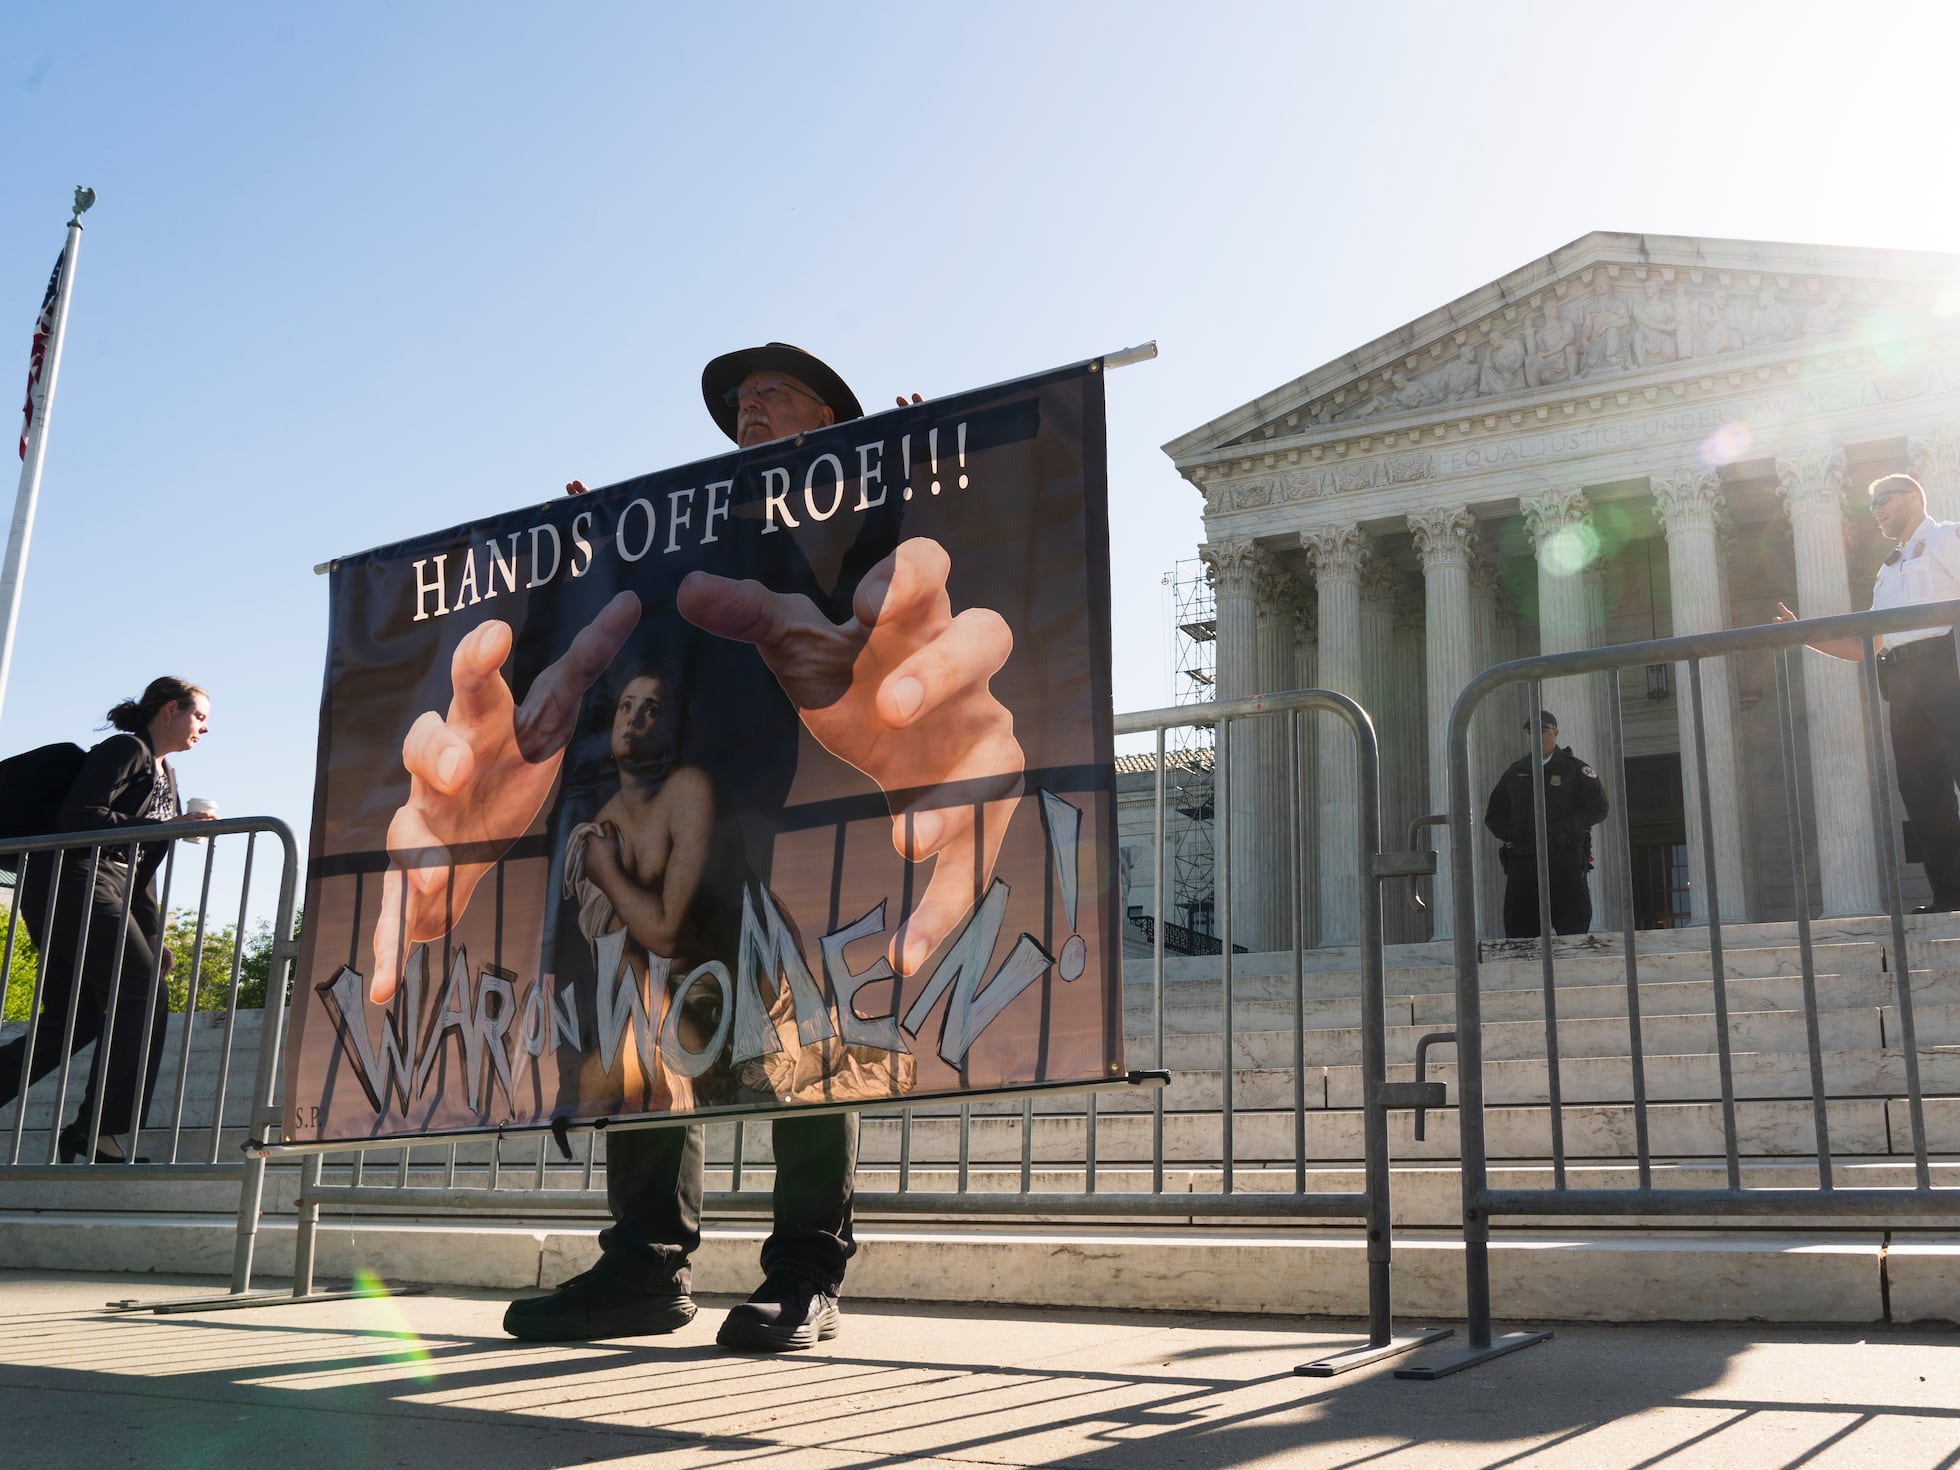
[530, 1173]
[1481, 1203]
[75, 990]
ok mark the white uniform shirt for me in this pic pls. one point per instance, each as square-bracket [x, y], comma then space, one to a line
[1924, 568]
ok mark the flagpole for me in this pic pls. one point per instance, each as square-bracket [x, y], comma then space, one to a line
[37, 444]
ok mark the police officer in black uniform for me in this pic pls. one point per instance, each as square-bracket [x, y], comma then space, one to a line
[1575, 803]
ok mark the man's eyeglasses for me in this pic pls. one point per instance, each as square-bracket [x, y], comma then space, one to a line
[769, 395]
[1880, 499]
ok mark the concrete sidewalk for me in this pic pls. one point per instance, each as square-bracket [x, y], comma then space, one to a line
[432, 1382]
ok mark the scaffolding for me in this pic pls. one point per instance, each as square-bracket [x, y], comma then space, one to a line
[1188, 753]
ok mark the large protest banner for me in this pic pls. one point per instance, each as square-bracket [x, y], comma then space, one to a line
[782, 778]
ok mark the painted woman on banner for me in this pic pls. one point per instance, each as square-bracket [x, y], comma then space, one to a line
[653, 883]
[633, 873]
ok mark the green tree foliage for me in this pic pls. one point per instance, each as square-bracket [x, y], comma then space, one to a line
[180, 936]
[20, 973]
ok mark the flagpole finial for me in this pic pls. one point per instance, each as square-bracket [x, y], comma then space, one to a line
[84, 197]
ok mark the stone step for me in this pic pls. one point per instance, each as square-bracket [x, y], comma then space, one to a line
[205, 1057]
[197, 1105]
[1594, 1024]
[1429, 1197]
[1770, 1128]
[1263, 1131]
[207, 1031]
[1268, 982]
[1190, 1013]
[1928, 937]
[196, 1112]
[1423, 1196]
[1851, 929]
[1337, 972]
[1764, 1128]
[1859, 1083]
[1835, 959]
[1694, 997]
[1850, 1074]
[1535, 1275]
[1872, 1072]
[1584, 1037]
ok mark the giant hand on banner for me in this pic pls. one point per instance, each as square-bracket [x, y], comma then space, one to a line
[901, 692]
[478, 778]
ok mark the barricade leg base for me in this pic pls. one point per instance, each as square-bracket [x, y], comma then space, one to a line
[191, 1303]
[1470, 1357]
[237, 1301]
[1335, 1364]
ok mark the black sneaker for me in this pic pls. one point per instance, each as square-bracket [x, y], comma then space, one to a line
[786, 1312]
[601, 1302]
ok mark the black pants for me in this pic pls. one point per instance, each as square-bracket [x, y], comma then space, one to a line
[1922, 684]
[654, 1188]
[130, 1081]
[1571, 898]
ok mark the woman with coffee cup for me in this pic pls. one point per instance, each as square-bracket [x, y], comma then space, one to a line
[125, 781]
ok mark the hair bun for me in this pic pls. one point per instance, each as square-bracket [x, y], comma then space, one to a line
[133, 715]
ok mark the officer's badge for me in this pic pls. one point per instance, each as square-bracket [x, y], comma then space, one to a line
[1590, 771]
[1556, 780]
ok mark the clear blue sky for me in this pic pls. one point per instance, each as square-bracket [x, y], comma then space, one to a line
[364, 270]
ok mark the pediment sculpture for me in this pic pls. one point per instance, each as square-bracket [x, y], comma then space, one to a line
[1315, 482]
[1592, 334]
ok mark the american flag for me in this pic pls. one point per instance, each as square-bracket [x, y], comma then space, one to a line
[43, 329]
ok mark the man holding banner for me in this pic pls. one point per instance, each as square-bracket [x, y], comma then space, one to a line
[546, 906]
[934, 685]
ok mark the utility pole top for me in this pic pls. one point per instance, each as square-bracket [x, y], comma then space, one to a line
[84, 197]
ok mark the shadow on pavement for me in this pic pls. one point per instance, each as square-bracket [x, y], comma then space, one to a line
[430, 1382]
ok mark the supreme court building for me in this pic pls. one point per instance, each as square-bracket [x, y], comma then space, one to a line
[1634, 436]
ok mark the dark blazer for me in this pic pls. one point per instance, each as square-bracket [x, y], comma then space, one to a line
[114, 789]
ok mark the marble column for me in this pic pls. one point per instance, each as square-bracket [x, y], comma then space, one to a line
[1487, 737]
[1379, 691]
[1381, 697]
[1235, 568]
[1338, 555]
[1273, 879]
[1725, 559]
[1562, 537]
[1812, 486]
[1306, 675]
[1608, 881]
[1509, 740]
[1443, 539]
[1690, 505]
[1405, 754]
[1935, 463]
[1746, 790]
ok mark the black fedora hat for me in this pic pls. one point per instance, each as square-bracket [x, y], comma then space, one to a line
[726, 373]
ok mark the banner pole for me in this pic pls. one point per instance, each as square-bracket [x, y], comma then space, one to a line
[37, 444]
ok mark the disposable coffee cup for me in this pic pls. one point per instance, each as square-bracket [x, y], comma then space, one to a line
[199, 806]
